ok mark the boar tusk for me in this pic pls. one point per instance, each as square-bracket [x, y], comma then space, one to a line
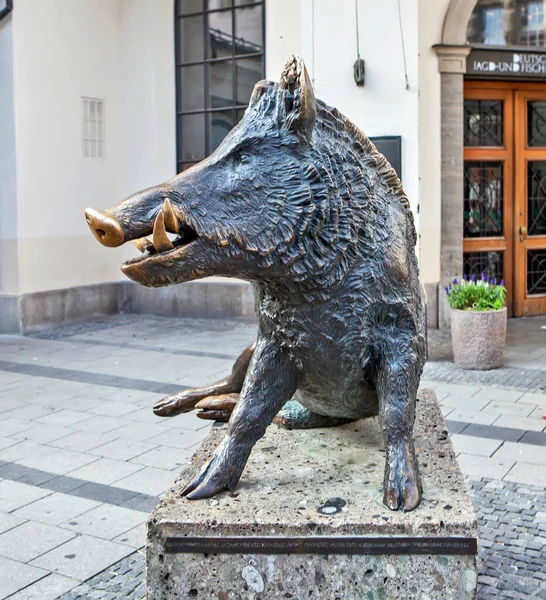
[171, 222]
[160, 238]
[143, 244]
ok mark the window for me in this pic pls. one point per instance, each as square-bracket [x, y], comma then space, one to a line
[517, 23]
[92, 128]
[219, 58]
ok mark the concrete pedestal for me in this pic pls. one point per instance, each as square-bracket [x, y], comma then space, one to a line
[307, 521]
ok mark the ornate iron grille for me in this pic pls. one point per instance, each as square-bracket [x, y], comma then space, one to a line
[489, 263]
[483, 199]
[536, 123]
[483, 122]
[536, 201]
[536, 272]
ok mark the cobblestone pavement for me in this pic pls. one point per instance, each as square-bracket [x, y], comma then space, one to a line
[512, 539]
[83, 459]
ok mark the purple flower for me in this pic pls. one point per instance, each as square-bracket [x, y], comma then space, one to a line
[502, 282]
[455, 282]
[447, 290]
[482, 276]
[464, 276]
[472, 277]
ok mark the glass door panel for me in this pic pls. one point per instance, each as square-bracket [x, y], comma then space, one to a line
[488, 182]
[530, 189]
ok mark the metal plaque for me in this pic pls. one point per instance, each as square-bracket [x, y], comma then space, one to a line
[506, 63]
[320, 545]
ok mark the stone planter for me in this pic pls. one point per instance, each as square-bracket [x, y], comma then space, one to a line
[478, 338]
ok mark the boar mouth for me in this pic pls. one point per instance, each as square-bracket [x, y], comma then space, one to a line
[161, 244]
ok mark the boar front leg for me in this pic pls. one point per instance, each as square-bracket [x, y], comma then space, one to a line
[270, 382]
[187, 399]
[397, 382]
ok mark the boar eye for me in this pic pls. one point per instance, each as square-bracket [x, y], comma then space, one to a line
[243, 158]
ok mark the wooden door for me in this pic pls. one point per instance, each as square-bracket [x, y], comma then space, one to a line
[489, 183]
[505, 189]
[530, 214]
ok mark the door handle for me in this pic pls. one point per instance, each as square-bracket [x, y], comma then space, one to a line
[523, 230]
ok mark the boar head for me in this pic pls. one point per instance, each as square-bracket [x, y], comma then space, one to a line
[236, 212]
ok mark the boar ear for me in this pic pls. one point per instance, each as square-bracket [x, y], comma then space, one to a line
[299, 100]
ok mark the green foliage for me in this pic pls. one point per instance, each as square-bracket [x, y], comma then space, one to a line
[476, 294]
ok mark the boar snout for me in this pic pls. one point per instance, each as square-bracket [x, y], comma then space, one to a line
[105, 228]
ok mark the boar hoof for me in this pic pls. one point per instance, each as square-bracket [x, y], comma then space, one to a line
[402, 485]
[215, 476]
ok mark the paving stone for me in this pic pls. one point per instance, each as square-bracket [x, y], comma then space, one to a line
[474, 445]
[507, 434]
[106, 521]
[148, 480]
[164, 457]
[469, 415]
[527, 453]
[524, 423]
[478, 466]
[29, 540]
[103, 493]
[64, 418]
[526, 473]
[123, 449]
[519, 409]
[534, 437]
[14, 495]
[55, 508]
[25, 449]
[8, 522]
[15, 575]
[11, 426]
[60, 462]
[83, 441]
[179, 438]
[82, 557]
[48, 588]
[105, 470]
[43, 435]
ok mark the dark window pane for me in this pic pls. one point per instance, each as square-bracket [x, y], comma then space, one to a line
[220, 76]
[245, 2]
[191, 88]
[249, 30]
[248, 72]
[220, 26]
[219, 124]
[483, 199]
[513, 23]
[239, 115]
[536, 272]
[489, 263]
[191, 137]
[536, 202]
[186, 7]
[189, 37]
[185, 166]
[483, 122]
[536, 123]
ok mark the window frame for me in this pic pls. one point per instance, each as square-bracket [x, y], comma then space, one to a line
[206, 110]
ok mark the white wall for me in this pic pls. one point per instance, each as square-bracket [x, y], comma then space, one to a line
[120, 51]
[431, 19]
[383, 106]
[9, 272]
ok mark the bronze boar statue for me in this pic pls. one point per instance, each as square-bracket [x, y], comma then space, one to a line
[297, 201]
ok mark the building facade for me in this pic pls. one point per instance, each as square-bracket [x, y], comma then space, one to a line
[99, 99]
